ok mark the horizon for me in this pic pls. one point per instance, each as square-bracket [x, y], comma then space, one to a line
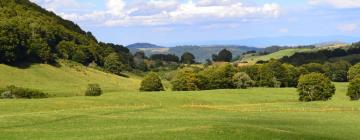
[172, 23]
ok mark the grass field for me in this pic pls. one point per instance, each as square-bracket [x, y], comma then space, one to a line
[257, 113]
[69, 79]
[275, 55]
[124, 113]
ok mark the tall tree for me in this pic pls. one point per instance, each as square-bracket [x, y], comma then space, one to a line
[223, 56]
[188, 58]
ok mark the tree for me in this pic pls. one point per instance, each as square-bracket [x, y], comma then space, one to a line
[223, 56]
[292, 75]
[337, 71]
[113, 63]
[314, 67]
[151, 82]
[185, 80]
[354, 89]
[242, 80]
[217, 77]
[315, 87]
[354, 71]
[188, 58]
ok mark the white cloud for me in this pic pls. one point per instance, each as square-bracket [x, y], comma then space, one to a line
[165, 12]
[340, 4]
[351, 27]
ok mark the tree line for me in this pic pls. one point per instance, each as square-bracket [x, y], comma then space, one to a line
[311, 85]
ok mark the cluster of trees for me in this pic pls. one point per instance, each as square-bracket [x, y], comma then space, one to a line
[31, 34]
[325, 55]
[157, 62]
[312, 86]
[227, 76]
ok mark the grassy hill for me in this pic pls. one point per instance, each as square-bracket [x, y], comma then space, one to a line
[276, 55]
[259, 113]
[67, 80]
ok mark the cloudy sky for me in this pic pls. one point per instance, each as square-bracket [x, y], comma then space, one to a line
[174, 22]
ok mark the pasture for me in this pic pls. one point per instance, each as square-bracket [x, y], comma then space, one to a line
[257, 113]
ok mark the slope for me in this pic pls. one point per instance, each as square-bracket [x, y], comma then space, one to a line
[69, 79]
[276, 55]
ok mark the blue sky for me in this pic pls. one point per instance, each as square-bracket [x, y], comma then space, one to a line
[176, 22]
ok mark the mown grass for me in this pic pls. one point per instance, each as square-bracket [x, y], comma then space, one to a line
[67, 80]
[258, 113]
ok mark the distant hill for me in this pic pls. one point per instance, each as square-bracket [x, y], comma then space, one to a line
[143, 45]
[201, 52]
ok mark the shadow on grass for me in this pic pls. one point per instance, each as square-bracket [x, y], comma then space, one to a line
[26, 65]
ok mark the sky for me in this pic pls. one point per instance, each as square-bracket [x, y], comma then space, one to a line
[203, 22]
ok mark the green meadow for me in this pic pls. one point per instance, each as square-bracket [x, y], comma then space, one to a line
[124, 113]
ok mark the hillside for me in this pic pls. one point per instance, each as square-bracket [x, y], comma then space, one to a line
[31, 34]
[289, 51]
[252, 59]
[201, 53]
[70, 79]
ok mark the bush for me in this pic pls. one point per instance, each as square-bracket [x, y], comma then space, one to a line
[18, 92]
[185, 80]
[151, 82]
[93, 90]
[354, 71]
[315, 87]
[7, 95]
[242, 80]
[354, 89]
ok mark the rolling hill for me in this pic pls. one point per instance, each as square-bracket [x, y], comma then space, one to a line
[201, 53]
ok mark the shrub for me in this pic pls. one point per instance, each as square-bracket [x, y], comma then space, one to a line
[18, 92]
[185, 80]
[93, 90]
[7, 95]
[242, 80]
[354, 89]
[354, 71]
[315, 87]
[151, 82]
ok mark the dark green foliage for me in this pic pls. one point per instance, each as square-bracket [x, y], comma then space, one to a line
[18, 92]
[93, 90]
[242, 80]
[188, 58]
[165, 57]
[217, 77]
[337, 71]
[112, 63]
[354, 89]
[291, 75]
[315, 87]
[314, 67]
[354, 71]
[324, 55]
[185, 80]
[151, 82]
[223, 56]
[31, 34]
